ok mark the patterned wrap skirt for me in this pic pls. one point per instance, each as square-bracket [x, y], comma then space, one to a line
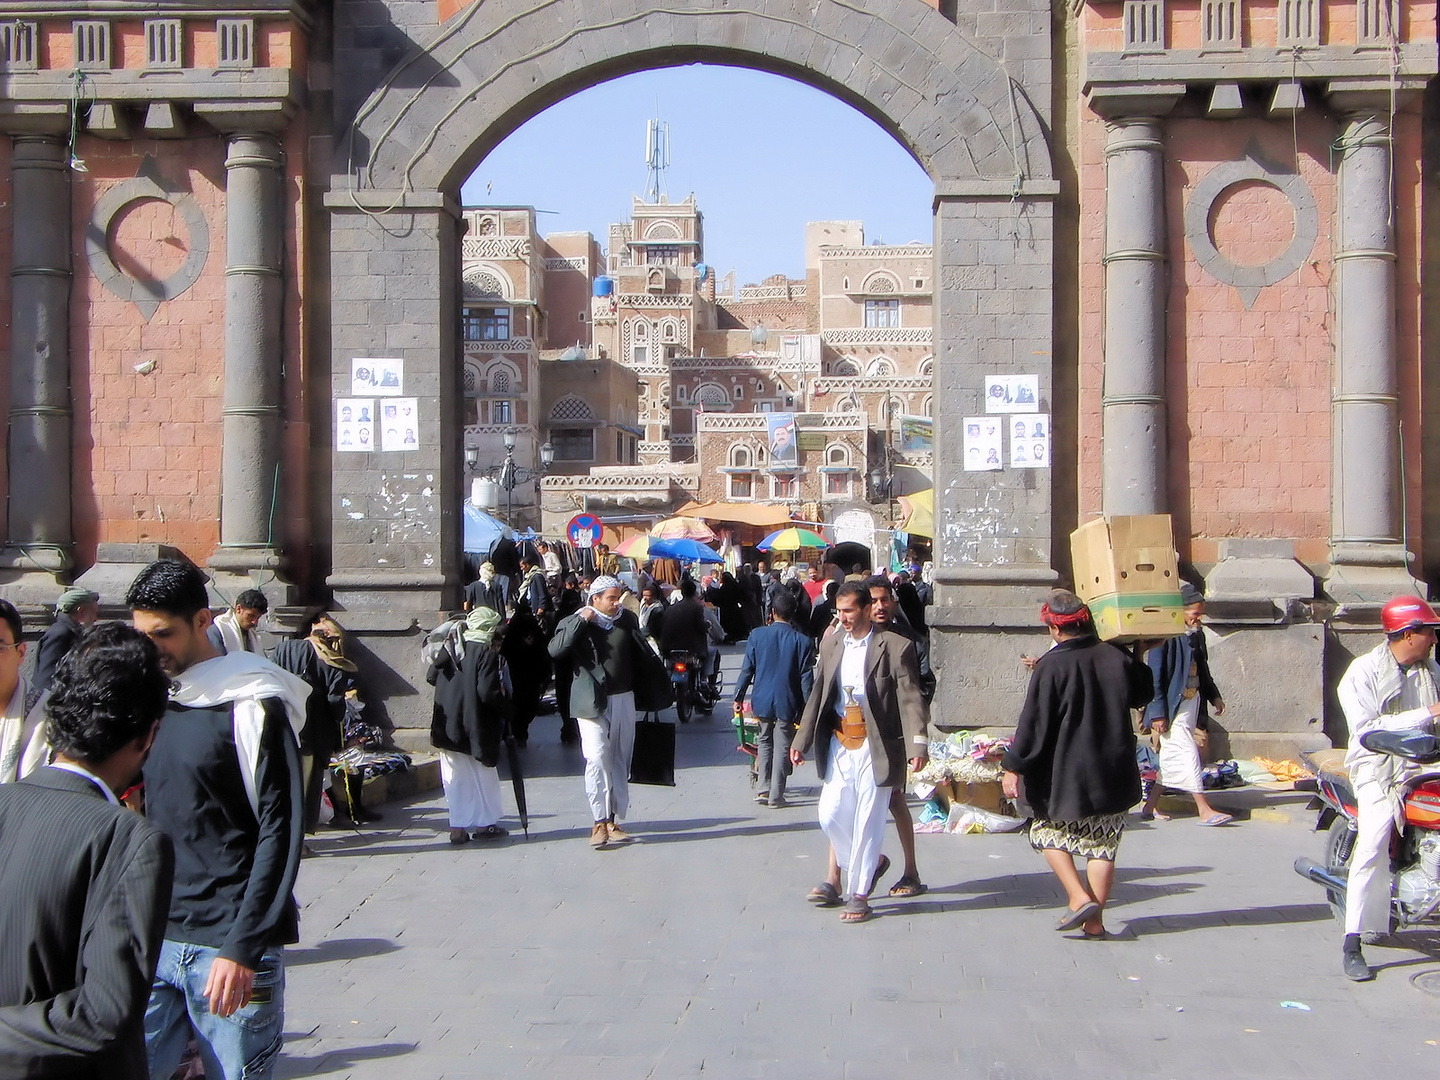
[1096, 837]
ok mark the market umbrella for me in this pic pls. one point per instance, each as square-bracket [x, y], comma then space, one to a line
[684, 550]
[849, 554]
[517, 781]
[637, 548]
[792, 540]
[482, 530]
[919, 509]
[682, 528]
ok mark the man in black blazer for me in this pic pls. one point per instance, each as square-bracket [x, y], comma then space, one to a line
[84, 882]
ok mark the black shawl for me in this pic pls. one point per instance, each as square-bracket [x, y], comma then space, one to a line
[470, 705]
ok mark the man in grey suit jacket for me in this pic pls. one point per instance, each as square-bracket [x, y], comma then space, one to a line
[866, 718]
[84, 882]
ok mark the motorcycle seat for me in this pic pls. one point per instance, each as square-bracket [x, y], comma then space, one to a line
[1328, 762]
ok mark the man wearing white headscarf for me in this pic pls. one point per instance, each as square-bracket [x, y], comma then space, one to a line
[614, 672]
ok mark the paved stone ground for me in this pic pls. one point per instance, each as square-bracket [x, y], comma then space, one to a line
[692, 953]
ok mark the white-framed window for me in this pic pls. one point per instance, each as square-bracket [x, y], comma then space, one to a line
[845, 368]
[487, 324]
[573, 444]
[639, 355]
[500, 381]
[502, 411]
[739, 393]
[740, 457]
[742, 486]
[784, 486]
[837, 484]
[882, 314]
[882, 367]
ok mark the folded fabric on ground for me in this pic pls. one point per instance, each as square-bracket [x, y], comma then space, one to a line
[363, 763]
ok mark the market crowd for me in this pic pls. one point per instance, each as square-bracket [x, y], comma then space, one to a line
[158, 785]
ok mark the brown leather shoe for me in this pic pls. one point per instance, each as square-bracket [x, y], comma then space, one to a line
[617, 834]
[599, 836]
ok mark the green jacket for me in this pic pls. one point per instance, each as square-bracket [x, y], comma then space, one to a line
[575, 642]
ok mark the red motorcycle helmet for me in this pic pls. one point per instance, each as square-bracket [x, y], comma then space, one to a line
[1407, 613]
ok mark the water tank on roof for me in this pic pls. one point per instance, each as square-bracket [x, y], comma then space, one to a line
[604, 286]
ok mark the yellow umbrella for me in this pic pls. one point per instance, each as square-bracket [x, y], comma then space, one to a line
[792, 539]
[682, 528]
[637, 547]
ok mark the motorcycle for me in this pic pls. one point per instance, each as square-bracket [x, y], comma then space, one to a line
[695, 690]
[682, 680]
[1414, 851]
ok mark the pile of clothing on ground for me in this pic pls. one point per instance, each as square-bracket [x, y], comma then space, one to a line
[961, 786]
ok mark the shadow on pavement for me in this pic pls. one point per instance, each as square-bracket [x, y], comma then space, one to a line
[333, 1061]
[1147, 925]
[339, 949]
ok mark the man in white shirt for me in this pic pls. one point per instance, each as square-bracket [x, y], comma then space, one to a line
[234, 630]
[866, 715]
[1393, 687]
[21, 737]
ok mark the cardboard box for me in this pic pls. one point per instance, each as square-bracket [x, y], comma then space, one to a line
[1127, 572]
[1125, 555]
[982, 796]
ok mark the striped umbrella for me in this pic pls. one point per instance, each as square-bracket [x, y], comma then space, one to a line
[792, 540]
[680, 528]
[637, 547]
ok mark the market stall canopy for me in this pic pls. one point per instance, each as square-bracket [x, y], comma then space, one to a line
[482, 530]
[757, 514]
[682, 528]
[919, 510]
[637, 547]
[792, 540]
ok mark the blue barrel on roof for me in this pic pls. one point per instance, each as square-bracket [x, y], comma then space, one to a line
[703, 269]
[604, 286]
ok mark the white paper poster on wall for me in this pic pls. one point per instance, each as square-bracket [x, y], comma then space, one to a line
[1029, 440]
[983, 443]
[1012, 393]
[399, 424]
[377, 376]
[354, 425]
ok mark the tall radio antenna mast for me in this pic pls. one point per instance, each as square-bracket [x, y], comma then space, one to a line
[657, 158]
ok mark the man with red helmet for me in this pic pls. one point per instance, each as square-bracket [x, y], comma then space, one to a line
[1393, 687]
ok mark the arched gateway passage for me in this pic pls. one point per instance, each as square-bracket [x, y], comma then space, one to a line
[968, 98]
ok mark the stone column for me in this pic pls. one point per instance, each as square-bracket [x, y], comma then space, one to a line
[254, 302]
[40, 415]
[1365, 522]
[1135, 456]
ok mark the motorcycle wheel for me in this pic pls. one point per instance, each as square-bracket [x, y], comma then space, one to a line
[1339, 845]
[682, 705]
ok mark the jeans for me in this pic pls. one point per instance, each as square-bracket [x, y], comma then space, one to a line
[772, 756]
[242, 1046]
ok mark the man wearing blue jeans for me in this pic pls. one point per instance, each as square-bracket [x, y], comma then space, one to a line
[223, 781]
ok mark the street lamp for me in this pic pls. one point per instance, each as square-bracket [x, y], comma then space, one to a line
[509, 474]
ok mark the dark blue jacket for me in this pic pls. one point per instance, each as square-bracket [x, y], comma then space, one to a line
[780, 661]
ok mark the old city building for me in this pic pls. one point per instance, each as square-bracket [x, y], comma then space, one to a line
[1197, 226]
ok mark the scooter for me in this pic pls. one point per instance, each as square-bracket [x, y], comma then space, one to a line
[682, 680]
[1414, 851]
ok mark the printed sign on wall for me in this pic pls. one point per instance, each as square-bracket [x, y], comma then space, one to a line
[399, 424]
[354, 424]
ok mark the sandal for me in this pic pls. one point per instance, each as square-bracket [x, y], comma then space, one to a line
[1074, 918]
[880, 869]
[908, 886]
[857, 910]
[1153, 815]
[824, 895]
[1218, 819]
[491, 832]
[459, 836]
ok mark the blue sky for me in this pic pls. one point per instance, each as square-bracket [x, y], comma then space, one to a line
[762, 154]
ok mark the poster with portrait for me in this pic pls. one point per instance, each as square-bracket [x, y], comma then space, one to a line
[917, 434]
[399, 424]
[1029, 440]
[983, 443]
[377, 376]
[784, 449]
[354, 425]
[1012, 393]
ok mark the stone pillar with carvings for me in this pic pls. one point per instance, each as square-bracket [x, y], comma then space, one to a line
[250, 459]
[39, 526]
[1367, 553]
[1134, 467]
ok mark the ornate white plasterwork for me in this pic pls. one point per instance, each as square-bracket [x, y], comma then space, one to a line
[868, 335]
[647, 300]
[495, 247]
[578, 263]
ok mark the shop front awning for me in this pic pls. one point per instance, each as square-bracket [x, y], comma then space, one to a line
[757, 514]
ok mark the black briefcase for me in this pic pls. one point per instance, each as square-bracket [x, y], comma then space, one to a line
[653, 759]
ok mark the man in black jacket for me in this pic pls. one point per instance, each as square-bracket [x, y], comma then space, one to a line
[75, 610]
[223, 780]
[84, 882]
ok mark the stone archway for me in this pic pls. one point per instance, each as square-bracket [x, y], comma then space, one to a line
[969, 99]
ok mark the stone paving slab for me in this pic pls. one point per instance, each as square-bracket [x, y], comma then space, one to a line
[693, 954]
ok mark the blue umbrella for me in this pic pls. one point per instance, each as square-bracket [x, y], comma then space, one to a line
[685, 550]
[482, 530]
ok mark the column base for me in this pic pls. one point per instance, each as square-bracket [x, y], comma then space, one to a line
[1362, 574]
[233, 569]
[31, 578]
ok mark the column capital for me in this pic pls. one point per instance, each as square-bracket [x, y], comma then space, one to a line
[1135, 103]
[246, 117]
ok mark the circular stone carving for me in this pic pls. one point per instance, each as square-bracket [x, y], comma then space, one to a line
[145, 295]
[1249, 280]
